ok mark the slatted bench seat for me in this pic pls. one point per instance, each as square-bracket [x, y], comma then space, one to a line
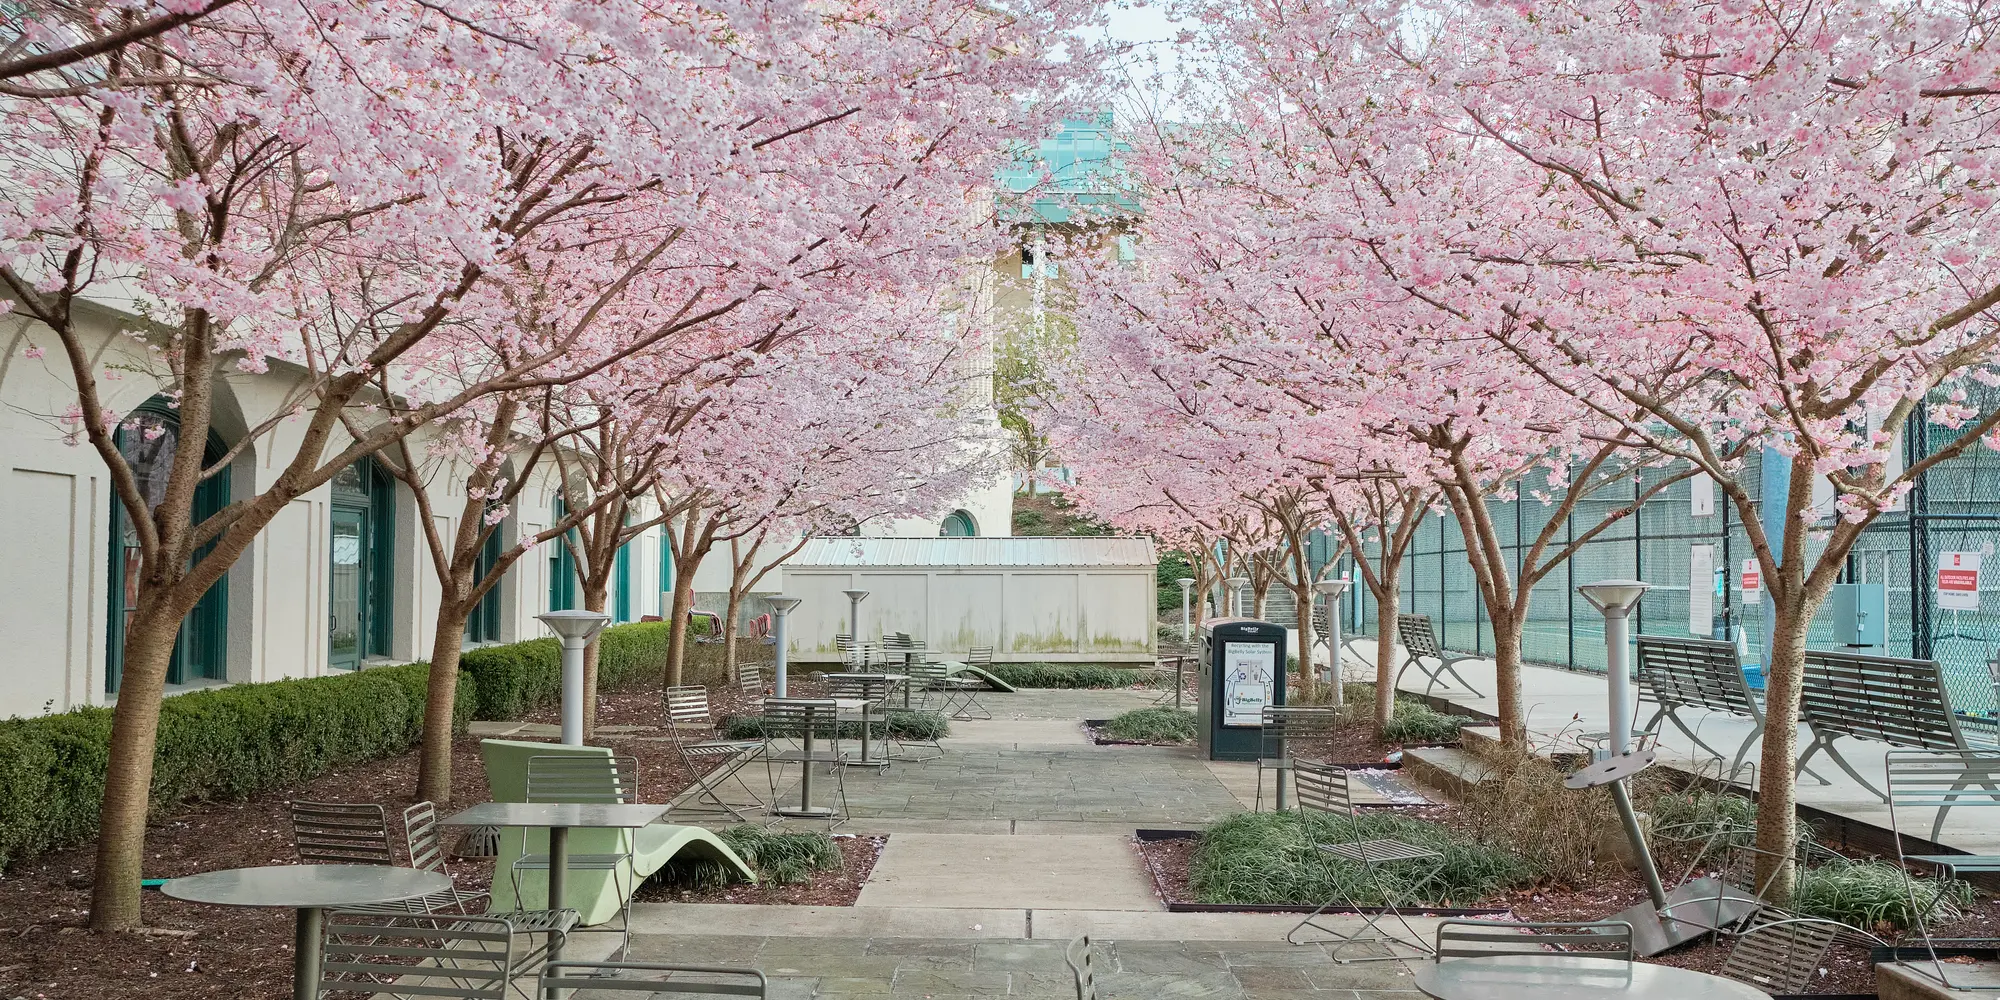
[1420, 641]
[1697, 673]
[1900, 702]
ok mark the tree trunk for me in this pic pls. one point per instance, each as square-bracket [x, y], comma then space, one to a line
[434, 756]
[1777, 809]
[1302, 597]
[677, 633]
[128, 776]
[1507, 672]
[729, 633]
[594, 599]
[1386, 605]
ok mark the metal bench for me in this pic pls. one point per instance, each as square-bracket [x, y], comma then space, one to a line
[1903, 703]
[1697, 673]
[1420, 641]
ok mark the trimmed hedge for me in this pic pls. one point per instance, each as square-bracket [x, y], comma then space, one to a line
[221, 744]
[1073, 675]
[233, 742]
[520, 677]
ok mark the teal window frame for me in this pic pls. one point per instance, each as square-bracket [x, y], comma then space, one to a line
[483, 625]
[562, 564]
[202, 647]
[377, 501]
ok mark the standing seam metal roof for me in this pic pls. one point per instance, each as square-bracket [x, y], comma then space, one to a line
[1050, 551]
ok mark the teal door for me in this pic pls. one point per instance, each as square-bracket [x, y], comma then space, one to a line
[347, 583]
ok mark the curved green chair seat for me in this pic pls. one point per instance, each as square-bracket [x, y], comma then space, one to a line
[952, 669]
[593, 894]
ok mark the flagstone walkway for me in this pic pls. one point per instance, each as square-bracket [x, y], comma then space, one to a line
[1014, 840]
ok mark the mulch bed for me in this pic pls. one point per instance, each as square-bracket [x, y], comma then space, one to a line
[828, 888]
[196, 952]
[1846, 969]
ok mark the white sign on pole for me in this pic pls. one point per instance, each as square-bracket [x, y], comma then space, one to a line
[1752, 582]
[1701, 590]
[1249, 669]
[1958, 581]
[1701, 496]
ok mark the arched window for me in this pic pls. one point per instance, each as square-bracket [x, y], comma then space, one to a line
[622, 568]
[361, 564]
[562, 563]
[958, 524]
[148, 439]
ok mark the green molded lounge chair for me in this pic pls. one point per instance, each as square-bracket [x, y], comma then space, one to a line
[593, 894]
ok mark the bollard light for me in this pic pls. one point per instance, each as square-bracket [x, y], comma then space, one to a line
[1615, 599]
[1333, 589]
[854, 599]
[1187, 624]
[576, 628]
[780, 606]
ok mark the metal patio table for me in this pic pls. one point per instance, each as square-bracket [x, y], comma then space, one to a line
[1570, 977]
[860, 705]
[559, 818]
[311, 890]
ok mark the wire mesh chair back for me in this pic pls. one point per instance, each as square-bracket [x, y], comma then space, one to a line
[687, 707]
[1284, 726]
[1082, 958]
[1941, 780]
[1323, 788]
[1416, 635]
[979, 656]
[576, 778]
[1485, 938]
[626, 977]
[426, 844]
[926, 676]
[867, 687]
[465, 957]
[797, 718]
[1781, 953]
[341, 833]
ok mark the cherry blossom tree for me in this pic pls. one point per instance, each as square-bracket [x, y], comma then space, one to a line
[1729, 230]
[350, 191]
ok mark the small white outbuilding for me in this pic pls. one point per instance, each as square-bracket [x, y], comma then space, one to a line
[1048, 599]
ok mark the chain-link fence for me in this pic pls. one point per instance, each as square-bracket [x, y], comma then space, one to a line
[1955, 508]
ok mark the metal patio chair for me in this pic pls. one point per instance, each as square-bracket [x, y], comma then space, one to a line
[1941, 780]
[1420, 641]
[1780, 953]
[691, 732]
[1283, 728]
[750, 682]
[341, 833]
[592, 779]
[872, 690]
[981, 658]
[1607, 939]
[594, 979]
[401, 955]
[1081, 955]
[812, 727]
[1325, 789]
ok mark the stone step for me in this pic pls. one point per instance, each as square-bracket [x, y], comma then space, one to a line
[1451, 771]
[1900, 982]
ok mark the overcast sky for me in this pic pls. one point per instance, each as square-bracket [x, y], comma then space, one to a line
[1152, 69]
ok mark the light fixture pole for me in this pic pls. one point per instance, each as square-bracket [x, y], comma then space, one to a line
[576, 628]
[1187, 623]
[1333, 589]
[781, 606]
[854, 599]
[1236, 585]
[1615, 599]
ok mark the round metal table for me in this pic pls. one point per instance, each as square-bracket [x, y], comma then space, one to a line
[1570, 977]
[311, 890]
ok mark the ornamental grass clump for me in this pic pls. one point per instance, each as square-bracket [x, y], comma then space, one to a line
[1876, 895]
[1254, 858]
[1152, 725]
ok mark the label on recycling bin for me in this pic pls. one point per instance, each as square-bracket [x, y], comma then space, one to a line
[1248, 671]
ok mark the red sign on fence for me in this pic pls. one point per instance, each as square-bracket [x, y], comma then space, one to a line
[1958, 581]
[1752, 581]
